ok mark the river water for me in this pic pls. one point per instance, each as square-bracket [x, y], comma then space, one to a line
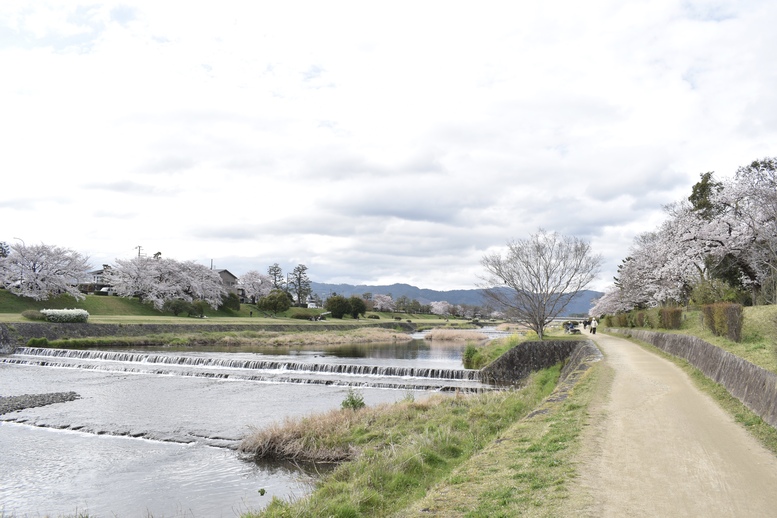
[155, 430]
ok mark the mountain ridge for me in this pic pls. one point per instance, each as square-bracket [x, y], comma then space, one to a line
[580, 304]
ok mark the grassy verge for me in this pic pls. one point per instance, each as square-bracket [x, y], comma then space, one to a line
[530, 470]
[756, 426]
[759, 335]
[399, 451]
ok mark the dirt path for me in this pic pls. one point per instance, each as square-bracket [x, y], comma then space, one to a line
[660, 447]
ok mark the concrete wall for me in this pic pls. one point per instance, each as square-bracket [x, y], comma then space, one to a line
[527, 357]
[752, 385]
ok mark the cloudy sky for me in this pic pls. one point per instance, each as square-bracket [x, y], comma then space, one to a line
[374, 142]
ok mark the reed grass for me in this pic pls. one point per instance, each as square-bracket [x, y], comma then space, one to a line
[453, 335]
[256, 337]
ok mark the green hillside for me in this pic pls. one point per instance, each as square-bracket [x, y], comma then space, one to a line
[94, 304]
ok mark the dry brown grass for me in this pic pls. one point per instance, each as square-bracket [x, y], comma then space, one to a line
[515, 328]
[303, 439]
[323, 437]
[321, 337]
[454, 335]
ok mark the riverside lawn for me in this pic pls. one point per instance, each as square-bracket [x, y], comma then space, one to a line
[402, 451]
[120, 310]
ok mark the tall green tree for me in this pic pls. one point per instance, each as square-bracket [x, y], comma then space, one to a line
[300, 284]
[275, 272]
[338, 306]
[357, 306]
[276, 302]
[703, 194]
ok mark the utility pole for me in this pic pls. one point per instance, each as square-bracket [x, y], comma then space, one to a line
[139, 249]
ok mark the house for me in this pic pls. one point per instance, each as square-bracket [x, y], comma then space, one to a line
[98, 283]
[230, 282]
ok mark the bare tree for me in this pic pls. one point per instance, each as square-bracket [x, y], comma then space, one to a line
[537, 277]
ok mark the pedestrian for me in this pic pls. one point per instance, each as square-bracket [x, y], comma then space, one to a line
[594, 323]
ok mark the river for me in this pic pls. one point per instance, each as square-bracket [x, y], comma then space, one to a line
[154, 431]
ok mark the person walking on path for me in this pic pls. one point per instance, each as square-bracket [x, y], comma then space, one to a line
[658, 446]
[594, 323]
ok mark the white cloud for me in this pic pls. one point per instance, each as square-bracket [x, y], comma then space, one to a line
[391, 143]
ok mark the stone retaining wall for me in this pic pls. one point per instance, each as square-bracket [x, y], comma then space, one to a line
[17, 334]
[752, 385]
[527, 357]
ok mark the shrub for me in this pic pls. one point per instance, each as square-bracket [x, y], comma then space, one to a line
[338, 306]
[640, 319]
[468, 359]
[670, 318]
[231, 301]
[353, 400]
[734, 320]
[275, 302]
[357, 306]
[33, 314]
[724, 319]
[376, 317]
[178, 306]
[37, 342]
[198, 308]
[66, 316]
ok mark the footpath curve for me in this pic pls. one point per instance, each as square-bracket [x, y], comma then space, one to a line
[657, 446]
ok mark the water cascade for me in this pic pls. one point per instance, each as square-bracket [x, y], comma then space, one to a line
[260, 370]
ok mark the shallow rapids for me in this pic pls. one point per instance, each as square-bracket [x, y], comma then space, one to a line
[154, 431]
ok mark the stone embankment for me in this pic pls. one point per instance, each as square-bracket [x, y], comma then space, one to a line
[752, 385]
[527, 357]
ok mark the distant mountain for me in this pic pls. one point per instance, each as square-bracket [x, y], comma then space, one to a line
[579, 305]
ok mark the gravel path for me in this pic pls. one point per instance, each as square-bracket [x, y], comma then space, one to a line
[660, 447]
[13, 403]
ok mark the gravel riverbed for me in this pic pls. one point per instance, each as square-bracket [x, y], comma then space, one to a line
[13, 403]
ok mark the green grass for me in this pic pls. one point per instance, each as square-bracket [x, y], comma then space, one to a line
[406, 448]
[529, 470]
[759, 335]
[111, 309]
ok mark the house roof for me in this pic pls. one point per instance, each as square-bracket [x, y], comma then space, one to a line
[226, 272]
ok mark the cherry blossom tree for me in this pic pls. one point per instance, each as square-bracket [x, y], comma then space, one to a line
[536, 279]
[440, 308]
[751, 209]
[159, 280]
[43, 271]
[383, 302]
[724, 234]
[198, 282]
[255, 285]
[139, 277]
